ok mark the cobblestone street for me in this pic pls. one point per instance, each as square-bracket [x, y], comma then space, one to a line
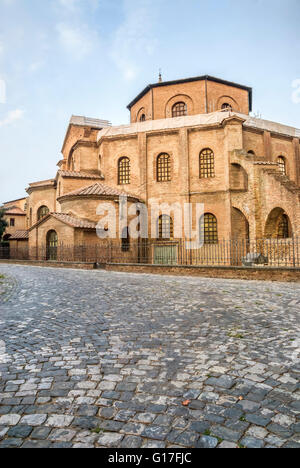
[99, 359]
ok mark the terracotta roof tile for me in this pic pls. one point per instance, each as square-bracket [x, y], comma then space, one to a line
[73, 221]
[79, 175]
[42, 183]
[14, 210]
[98, 189]
[18, 235]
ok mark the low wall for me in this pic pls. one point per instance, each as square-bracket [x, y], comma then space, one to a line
[251, 273]
[40, 263]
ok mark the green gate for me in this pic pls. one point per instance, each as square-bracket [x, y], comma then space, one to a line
[165, 255]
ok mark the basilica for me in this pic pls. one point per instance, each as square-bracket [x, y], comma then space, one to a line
[189, 141]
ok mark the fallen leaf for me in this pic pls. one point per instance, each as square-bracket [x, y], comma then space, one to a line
[241, 398]
[186, 403]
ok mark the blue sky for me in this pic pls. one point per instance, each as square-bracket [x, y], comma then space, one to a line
[92, 57]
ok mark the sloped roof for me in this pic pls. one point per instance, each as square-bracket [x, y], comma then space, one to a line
[14, 210]
[70, 220]
[98, 189]
[20, 235]
[79, 175]
[41, 183]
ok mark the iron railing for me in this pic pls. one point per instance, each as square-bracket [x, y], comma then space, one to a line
[240, 252]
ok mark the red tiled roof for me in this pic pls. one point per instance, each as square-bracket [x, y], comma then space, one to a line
[100, 190]
[14, 210]
[79, 175]
[42, 183]
[73, 221]
[19, 235]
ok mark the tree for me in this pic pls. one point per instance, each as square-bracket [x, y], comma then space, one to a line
[3, 223]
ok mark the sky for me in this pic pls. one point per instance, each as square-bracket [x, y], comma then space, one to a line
[92, 57]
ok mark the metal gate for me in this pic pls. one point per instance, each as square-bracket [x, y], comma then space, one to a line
[165, 254]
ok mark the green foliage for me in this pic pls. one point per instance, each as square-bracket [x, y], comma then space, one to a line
[3, 223]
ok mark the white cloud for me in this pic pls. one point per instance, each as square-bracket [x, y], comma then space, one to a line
[133, 39]
[77, 41]
[12, 117]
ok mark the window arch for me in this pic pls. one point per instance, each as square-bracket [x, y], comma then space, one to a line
[207, 164]
[143, 118]
[226, 106]
[251, 152]
[52, 244]
[42, 212]
[281, 164]
[163, 168]
[209, 229]
[165, 227]
[179, 109]
[124, 171]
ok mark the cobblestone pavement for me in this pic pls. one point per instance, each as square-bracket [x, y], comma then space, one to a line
[98, 359]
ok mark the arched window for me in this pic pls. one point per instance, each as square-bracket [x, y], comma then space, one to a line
[165, 227]
[179, 109]
[282, 165]
[226, 106]
[251, 152]
[283, 227]
[124, 171]
[42, 212]
[143, 118]
[163, 168]
[209, 229]
[52, 244]
[207, 164]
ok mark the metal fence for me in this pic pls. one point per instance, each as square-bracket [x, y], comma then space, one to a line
[241, 252]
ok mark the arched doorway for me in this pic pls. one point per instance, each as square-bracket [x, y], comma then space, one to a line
[278, 225]
[52, 243]
[239, 225]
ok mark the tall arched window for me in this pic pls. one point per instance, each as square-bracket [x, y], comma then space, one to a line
[226, 106]
[124, 171]
[163, 168]
[207, 164]
[52, 244]
[42, 212]
[165, 227]
[282, 165]
[179, 109]
[143, 118]
[209, 229]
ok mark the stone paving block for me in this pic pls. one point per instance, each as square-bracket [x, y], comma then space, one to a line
[136, 373]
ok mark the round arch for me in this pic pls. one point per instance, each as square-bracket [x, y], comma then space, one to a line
[51, 244]
[187, 100]
[278, 225]
[240, 228]
[227, 100]
[141, 115]
[238, 177]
